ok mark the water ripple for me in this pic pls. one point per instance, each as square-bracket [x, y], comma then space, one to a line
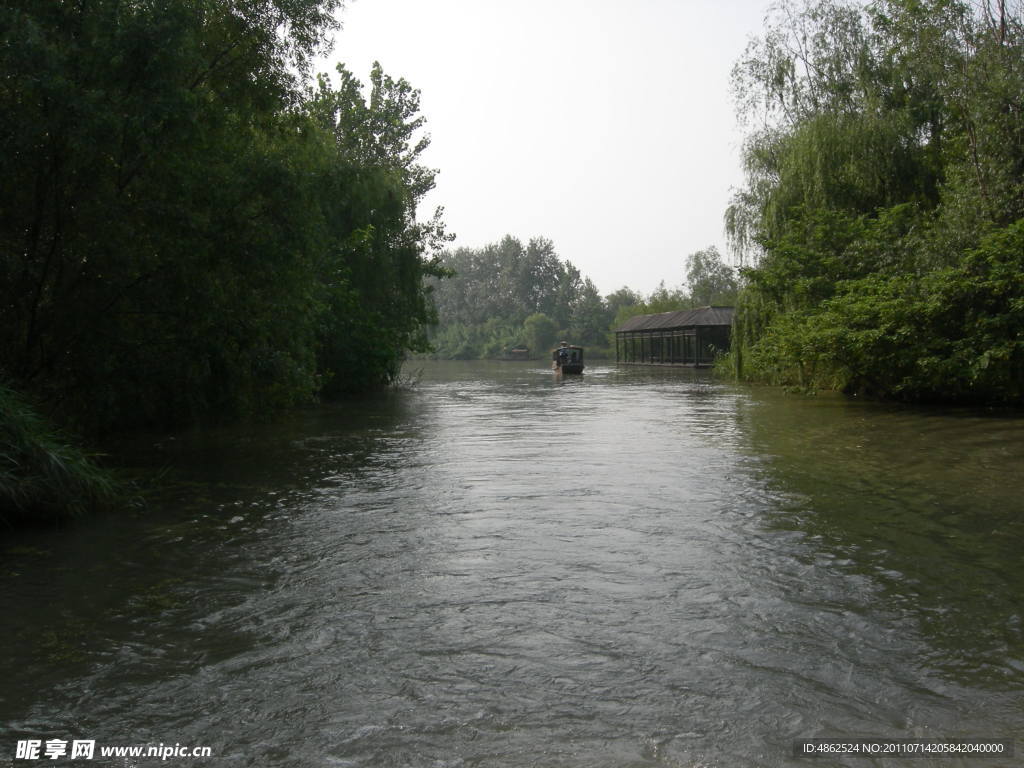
[634, 568]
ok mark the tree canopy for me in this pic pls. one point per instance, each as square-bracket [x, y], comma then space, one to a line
[508, 295]
[882, 213]
[191, 228]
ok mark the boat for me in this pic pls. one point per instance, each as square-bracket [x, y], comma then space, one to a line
[567, 359]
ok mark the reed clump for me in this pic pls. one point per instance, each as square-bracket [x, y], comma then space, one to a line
[44, 477]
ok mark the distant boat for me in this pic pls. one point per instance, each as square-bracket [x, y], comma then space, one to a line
[567, 359]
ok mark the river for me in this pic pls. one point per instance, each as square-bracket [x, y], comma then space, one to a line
[495, 567]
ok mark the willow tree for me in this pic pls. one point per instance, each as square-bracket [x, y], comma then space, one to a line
[887, 154]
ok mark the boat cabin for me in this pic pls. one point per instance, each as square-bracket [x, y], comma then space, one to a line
[567, 359]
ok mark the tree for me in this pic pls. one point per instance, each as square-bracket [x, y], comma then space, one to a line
[709, 279]
[624, 297]
[540, 332]
[538, 278]
[372, 272]
[590, 317]
[665, 299]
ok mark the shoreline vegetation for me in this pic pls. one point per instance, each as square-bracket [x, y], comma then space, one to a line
[196, 229]
[44, 476]
[883, 215]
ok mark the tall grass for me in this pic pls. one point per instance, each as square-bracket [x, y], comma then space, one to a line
[43, 476]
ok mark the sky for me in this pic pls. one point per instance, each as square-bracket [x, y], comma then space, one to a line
[607, 127]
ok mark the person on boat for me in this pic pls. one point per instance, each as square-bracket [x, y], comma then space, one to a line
[563, 353]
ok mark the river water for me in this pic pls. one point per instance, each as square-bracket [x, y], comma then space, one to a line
[494, 567]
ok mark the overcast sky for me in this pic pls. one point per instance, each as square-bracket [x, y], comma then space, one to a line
[607, 127]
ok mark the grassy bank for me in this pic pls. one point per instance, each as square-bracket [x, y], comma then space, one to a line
[44, 477]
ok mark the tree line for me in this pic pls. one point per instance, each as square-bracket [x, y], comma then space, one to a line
[883, 212]
[508, 295]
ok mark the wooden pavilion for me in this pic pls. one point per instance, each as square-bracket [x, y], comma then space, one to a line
[692, 337]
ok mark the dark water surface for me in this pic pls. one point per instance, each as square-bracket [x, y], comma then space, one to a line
[495, 568]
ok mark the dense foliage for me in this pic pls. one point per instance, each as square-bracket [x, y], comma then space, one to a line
[189, 229]
[884, 205]
[507, 295]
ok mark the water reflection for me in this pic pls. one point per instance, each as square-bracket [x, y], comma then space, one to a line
[925, 503]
